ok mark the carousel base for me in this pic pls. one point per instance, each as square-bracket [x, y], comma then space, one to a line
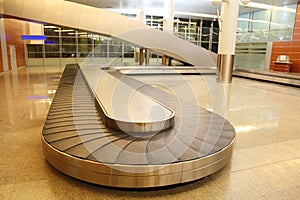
[78, 143]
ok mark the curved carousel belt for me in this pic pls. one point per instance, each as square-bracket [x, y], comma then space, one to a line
[78, 141]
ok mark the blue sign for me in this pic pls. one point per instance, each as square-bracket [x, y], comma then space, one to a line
[33, 37]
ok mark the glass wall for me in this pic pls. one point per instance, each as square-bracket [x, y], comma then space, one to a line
[35, 51]
[70, 43]
[243, 23]
[202, 32]
[274, 24]
[259, 26]
[52, 43]
[256, 29]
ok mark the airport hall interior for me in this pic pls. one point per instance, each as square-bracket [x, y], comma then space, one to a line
[150, 99]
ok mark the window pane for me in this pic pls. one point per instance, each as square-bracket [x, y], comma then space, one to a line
[52, 55]
[34, 47]
[84, 40]
[68, 51]
[243, 23]
[68, 40]
[51, 31]
[52, 51]
[51, 48]
[67, 32]
[100, 51]
[261, 20]
[84, 50]
[205, 45]
[282, 19]
[215, 48]
[52, 40]
[35, 55]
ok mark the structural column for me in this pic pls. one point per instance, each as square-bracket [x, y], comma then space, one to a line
[140, 16]
[168, 16]
[141, 56]
[227, 39]
[166, 60]
[3, 45]
[25, 42]
[147, 56]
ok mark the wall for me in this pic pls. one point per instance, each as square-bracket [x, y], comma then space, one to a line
[13, 32]
[290, 48]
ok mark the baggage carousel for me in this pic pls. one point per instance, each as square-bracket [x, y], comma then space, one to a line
[138, 137]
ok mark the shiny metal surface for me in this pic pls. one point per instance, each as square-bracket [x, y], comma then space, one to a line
[129, 111]
[225, 68]
[164, 70]
[77, 142]
[272, 76]
[160, 175]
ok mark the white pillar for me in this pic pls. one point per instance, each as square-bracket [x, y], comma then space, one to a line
[3, 45]
[139, 52]
[13, 57]
[227, 39]
[140, 16]
[168, 16]
[25, 43]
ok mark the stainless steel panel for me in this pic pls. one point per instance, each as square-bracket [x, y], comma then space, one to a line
[225, 68]
[78, 144]
[125, 108]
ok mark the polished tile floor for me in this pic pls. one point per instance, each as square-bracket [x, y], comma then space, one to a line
[265, 163]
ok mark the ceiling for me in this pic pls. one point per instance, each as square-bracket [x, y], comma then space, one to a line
[194, 6]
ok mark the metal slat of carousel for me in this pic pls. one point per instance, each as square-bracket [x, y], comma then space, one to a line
[77, 141]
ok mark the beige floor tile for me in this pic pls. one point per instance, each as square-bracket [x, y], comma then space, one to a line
[265, 163]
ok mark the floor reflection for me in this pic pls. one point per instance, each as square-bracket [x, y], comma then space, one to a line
[27, 95]
[265, 164]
